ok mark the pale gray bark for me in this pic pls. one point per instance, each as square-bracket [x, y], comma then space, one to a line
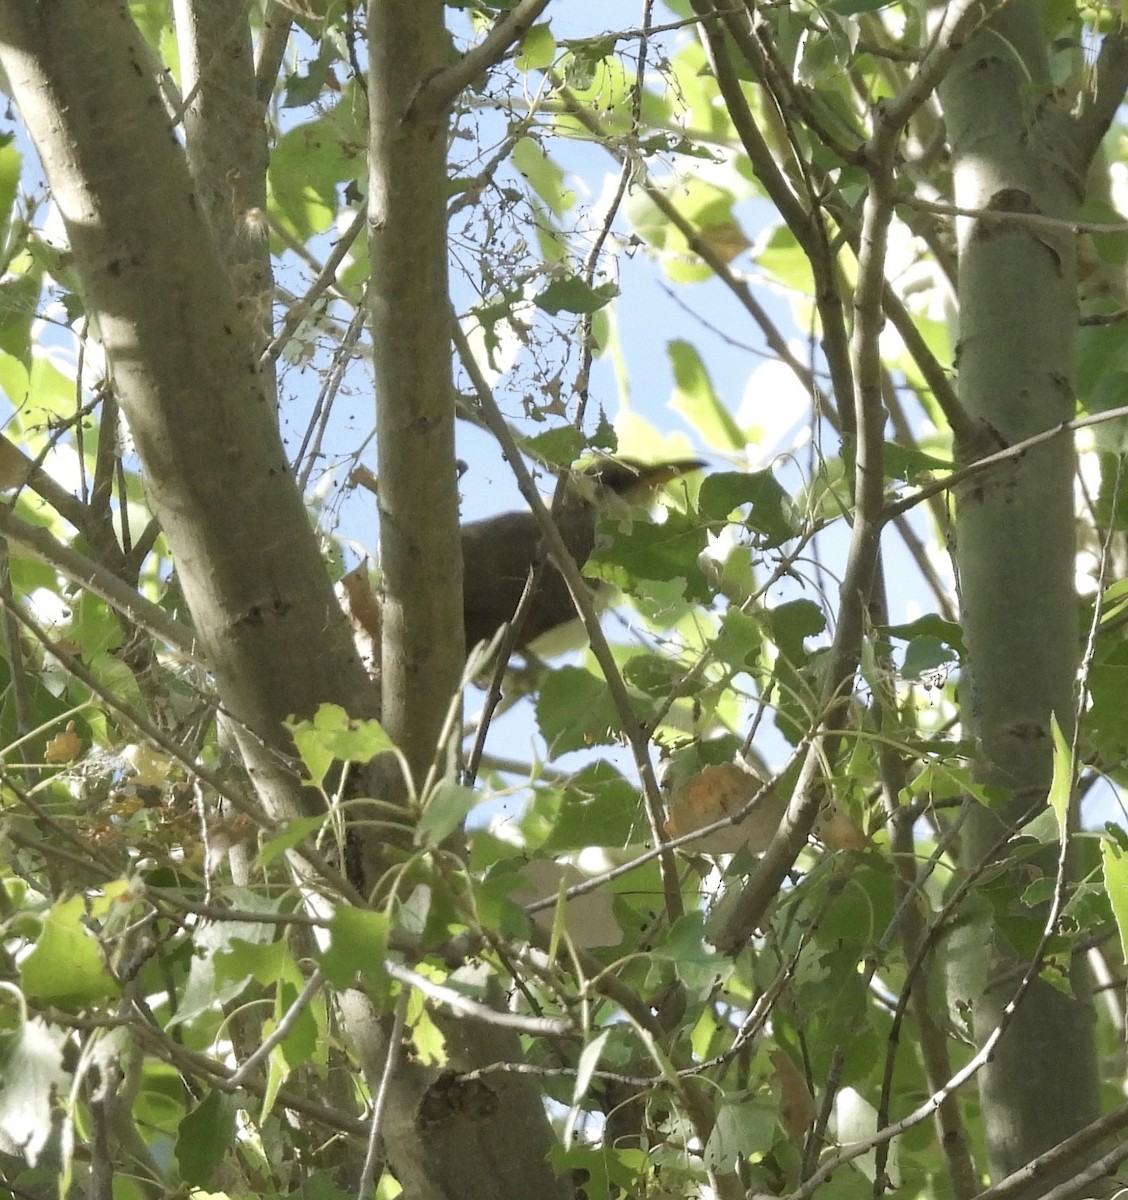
[1015, 152]
[225, 138]
[420, 556]
[182, 357]
[490, 1139]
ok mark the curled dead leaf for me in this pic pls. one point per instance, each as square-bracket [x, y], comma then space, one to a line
[365, 477]
[721, 791]
[64, 747]
[361, 605]
[796, 1104]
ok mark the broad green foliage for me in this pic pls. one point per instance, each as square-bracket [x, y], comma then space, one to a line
[672, 250]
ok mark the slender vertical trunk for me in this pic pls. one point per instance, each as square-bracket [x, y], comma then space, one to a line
[1015, 533]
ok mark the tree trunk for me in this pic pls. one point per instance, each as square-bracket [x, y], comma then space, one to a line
[183, 345]
[1016, 154]
[182, 356]
[498, 1147]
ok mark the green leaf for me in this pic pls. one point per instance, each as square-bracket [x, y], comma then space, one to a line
[948, 633]
[698, 964]
[445, 810]
[739, 640]
[649, 550]
[204, 1138]
[205, 992]
[911, 464]
[1061, 787]
[598, 808]
[267, 962]
[66, 967]
[575, 712]
[603, 1170]
[293, 835]
[585, 1068]
[791, 623]
[659, 676]
[538, 49]
[745, 1128]
[850, 8]
[307, 164]
[32, 1077]
[925, 655]
[585, 57]
[1114, 860]
[544, 176]
[1109, 391]
[333, 735]
[574, 296]
[561, 446]
[770, 514]
[1110, 247]
[11, 161]
[358, 945]
[695, 399]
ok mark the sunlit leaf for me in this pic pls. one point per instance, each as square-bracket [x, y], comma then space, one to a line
[32, 1076]
[333, 735]
[1114, 860]
[574, 711]
[538, 48]
[574, 296]
[695, 399]
[66, 967]
[1061, 788]
[358, 946]
[770, 513]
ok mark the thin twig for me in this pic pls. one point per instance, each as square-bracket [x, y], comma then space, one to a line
[282, 1030]
[1017, 450]
[101, 582]
[325, 279]
[465, 1007]
[380, 1100]
[440, 91]
[581, 597]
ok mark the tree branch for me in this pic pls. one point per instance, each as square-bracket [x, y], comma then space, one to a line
[1100, 104]
[436, 94]
[581, 597]
[99, 581]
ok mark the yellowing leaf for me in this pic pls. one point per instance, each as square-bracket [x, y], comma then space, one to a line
[538, 49]
[151, 767]
[63, 747]
[361, 605]
[725, 239]
[796, 1104]
[721, 791]
[837, 830]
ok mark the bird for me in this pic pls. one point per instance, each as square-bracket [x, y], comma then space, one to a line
[498, 552]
